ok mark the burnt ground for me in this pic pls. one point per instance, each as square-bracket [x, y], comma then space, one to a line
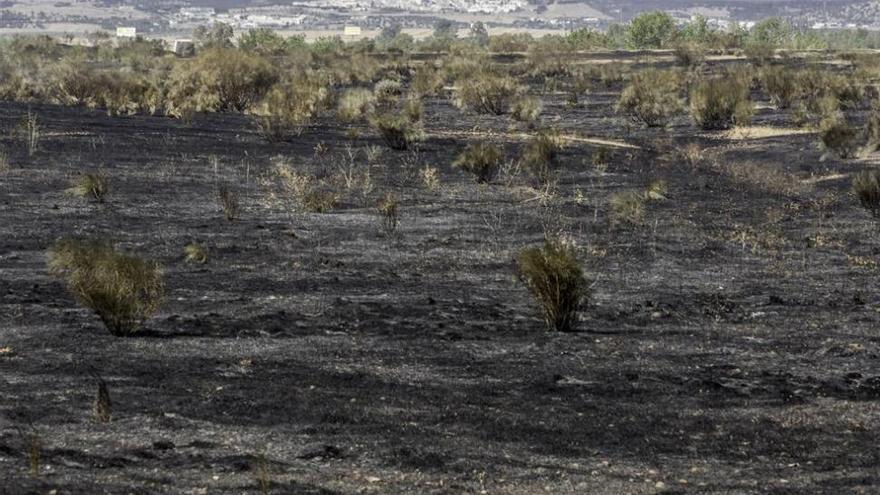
[730, 344]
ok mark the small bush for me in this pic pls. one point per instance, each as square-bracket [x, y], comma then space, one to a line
[540, 155]
[555, 278]
[526, 109]
[780, 84]
[866, 186]
[759, 52]
[398, 132]
[195, 253]
[486, 93]
[651, 97]
[386, 92]
[122, 290]
[689, 54]
[720, 103]
[387, 209]
[288, 107]
[320, 200]
[92, 186]
[628, 208]
[426, 81]
[840, 138]
[355, 104]
[480, 159]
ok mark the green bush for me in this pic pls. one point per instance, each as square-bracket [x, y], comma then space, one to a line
[866, 186]
[122, 290]
[720, 103]
[480, 159]
[651, 97]
[554, 276]
[486, 93]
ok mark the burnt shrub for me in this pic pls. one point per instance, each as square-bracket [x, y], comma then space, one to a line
[122, 290]
[480, 159]
[840, 138]
[540, 155]
[554, 276]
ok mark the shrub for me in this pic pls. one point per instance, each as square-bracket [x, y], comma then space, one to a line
[866, 186]
[689, 54]
[526, 109]
[627, 207]
[386, 92]
[319, 200]
[355, 104]
[288, 107]
[651, 97]
[841, 138]
[195, 253]
[426, 81]
[554, 276]
[872, 131]
[218, 80]
[540, 154]
[759, 52]
[720, 103]
[102, 406]
[480, 159]
[780, 84]
[486, 93]
[92, 186]
[397, 131]
[387, 209]
[122, 290]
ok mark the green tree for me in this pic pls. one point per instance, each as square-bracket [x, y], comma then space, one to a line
[651, 30]
[263, 41]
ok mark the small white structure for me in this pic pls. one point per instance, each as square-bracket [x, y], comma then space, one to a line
[351, 32]
[184, 48]
[126, 32]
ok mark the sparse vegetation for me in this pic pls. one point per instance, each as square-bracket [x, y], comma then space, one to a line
[554, 276]
[122, 290]
[195, 253]
[539, 156]
[387, 210]
[627, 208]
[486, 93]
[103, 407]
[228, 200]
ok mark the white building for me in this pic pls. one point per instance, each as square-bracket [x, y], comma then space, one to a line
[126, 32]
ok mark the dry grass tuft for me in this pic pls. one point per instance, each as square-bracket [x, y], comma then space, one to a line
[93, 186]
[866, 186]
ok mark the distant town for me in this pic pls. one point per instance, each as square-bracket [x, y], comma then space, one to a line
[365, 18]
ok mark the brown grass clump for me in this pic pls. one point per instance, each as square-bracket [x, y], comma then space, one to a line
[480, 159]
[866, 186]
[92, 186]
[122, 290]
[289, 107]
[554, 276]
[764, 177]
[651, 97]
[355, 104]
[689, 54]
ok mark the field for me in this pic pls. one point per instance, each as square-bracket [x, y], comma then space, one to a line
[729, 344]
